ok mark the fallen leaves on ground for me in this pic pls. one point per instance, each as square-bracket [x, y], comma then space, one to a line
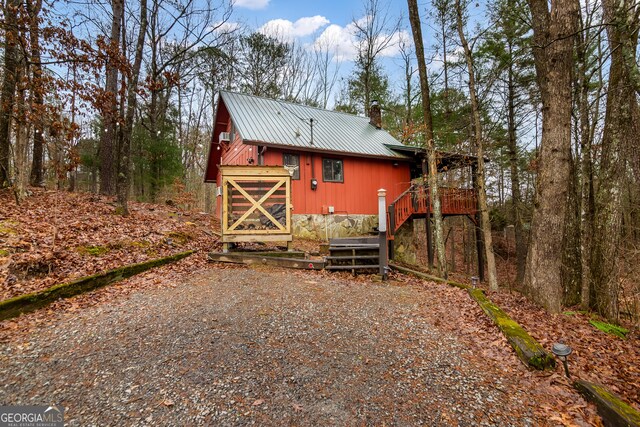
[55, 236]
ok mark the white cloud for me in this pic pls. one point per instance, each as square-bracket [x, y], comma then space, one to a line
[343, 42]
[226, 27]
[339, 40]
[251, 4]
[286, 30]
[393, 48]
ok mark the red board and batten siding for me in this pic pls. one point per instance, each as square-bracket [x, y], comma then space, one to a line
[356, 195]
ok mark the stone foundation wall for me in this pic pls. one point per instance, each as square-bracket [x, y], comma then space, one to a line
[404, 243]
[321, 227]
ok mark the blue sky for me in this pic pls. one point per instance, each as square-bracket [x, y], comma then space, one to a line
[307, 22]
[325, 21]
[339, 12]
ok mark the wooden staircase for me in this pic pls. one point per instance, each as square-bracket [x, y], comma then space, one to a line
[416, 202]
[355, 254]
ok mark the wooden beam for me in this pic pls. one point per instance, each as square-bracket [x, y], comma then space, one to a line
[249, 259]
[25, 303]
[613, 410]
[227, 238]
[253, 171]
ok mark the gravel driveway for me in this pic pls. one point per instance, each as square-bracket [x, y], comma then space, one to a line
[261, 347]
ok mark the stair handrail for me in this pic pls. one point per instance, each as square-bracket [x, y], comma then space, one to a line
[408, 190]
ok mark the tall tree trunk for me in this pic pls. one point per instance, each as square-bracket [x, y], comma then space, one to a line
[618, 140]
[481, 183]
[37, 104]
[553, 56]
[124, 175]
[516, 196]
[414, 19]
[7, 97]
[587, 206]
[108, 139]
[21, 146]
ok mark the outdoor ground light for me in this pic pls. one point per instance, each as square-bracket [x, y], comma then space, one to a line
[474, 281]
[563, 351]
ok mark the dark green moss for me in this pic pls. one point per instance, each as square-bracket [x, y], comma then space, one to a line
[92, 250]
[613, 410]
[527, 349]
[608, 328]
[4, 253]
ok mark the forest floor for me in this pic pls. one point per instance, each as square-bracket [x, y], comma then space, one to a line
[57, 236]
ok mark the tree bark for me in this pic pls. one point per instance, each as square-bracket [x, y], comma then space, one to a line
[481, 183]
[108, 139]
[618, 139]
[37, 104]
[587, 206]
[7, 97]
[124, 174]
[553, 56]
[516, 196]
[414, 19]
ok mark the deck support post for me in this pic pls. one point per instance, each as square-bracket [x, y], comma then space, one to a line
[427, 226]
[479, 237]
[392, 229]
[382, 233]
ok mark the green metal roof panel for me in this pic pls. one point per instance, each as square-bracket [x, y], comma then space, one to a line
[278, 122]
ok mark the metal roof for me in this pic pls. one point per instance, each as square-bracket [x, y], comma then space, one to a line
[274, 122]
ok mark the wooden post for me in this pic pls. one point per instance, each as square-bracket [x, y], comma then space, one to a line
[427, 226]
[392, 228]
[382, 233]
[479, 239]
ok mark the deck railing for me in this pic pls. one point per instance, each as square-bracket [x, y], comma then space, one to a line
[417, 200]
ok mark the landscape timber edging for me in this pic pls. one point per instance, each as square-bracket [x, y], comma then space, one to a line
[612, 409]
[429, 276]
[15, 306]
[529, 351]
[278, 261]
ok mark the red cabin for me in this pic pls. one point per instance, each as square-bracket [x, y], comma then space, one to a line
[337, 161]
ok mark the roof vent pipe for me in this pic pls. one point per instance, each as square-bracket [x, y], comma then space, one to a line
[311, 124]
[375, 116]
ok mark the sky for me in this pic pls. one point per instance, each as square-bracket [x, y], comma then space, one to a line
[308, 22]
[313, 17]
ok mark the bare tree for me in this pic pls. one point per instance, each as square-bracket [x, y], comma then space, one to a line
[124, 174]
[374, 33]
[7, 97]
[37, 92]
[108, 138]
[618, 149]
[477, 132]
[327, 72]
[414, 19]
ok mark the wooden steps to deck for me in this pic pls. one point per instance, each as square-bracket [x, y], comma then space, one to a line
[354, 253]
[416, 202]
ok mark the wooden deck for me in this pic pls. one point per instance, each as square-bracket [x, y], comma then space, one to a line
[416, 201]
